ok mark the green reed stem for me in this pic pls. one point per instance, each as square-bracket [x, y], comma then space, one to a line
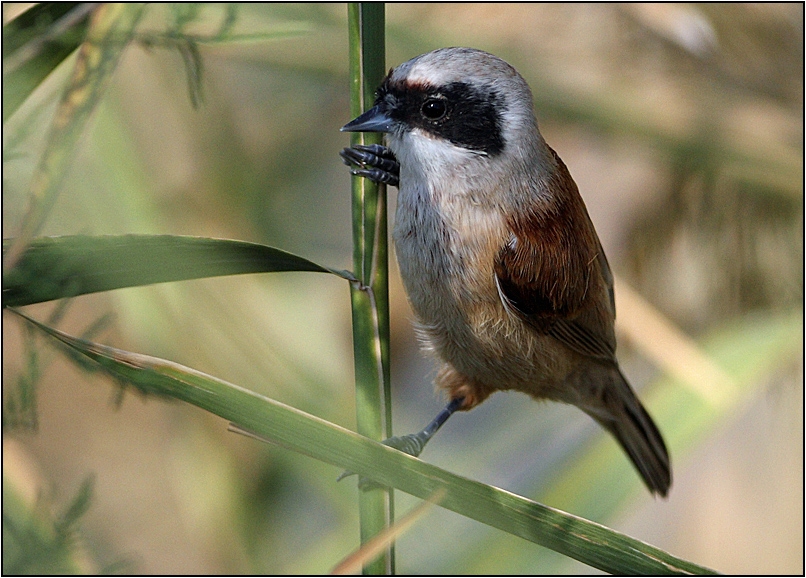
[370, 295]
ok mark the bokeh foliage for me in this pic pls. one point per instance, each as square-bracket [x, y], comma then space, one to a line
[688, 152]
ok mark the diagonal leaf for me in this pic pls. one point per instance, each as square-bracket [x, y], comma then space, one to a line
[35, 43]
[57, 267]
[286, 426]
[110, 27]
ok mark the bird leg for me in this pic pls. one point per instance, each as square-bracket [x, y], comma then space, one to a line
[413, 444]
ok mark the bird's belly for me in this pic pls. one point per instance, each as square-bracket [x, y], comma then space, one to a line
[446, 261]
[450, 281]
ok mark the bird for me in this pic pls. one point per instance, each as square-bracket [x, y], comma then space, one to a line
[502, 266]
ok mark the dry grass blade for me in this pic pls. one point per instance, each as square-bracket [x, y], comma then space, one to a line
[664, 343]
[377, 545]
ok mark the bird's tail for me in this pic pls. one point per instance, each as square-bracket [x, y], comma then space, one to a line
[619, 411]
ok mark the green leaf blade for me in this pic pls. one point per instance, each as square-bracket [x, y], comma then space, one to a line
[35, 43]
[286, 426]
[59, 267]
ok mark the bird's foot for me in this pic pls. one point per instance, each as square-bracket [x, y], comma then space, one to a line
[411, 444]
[374, 162]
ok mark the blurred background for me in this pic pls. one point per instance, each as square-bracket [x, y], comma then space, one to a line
[683, 127]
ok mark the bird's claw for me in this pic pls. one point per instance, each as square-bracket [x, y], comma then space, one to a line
[374, 162]
[411, 444]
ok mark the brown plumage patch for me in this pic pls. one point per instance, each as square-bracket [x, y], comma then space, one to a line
[546, 269]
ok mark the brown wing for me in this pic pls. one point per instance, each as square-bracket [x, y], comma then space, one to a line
[554, 274]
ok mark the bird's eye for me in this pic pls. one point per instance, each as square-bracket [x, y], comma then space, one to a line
[434, 109]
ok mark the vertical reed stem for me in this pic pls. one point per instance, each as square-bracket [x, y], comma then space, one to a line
[370, 295]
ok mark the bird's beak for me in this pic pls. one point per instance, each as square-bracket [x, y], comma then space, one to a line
[374, 120]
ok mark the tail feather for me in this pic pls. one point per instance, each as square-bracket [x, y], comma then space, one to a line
[620, 412]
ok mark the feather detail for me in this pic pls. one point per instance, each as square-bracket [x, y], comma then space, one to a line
[553, 273]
